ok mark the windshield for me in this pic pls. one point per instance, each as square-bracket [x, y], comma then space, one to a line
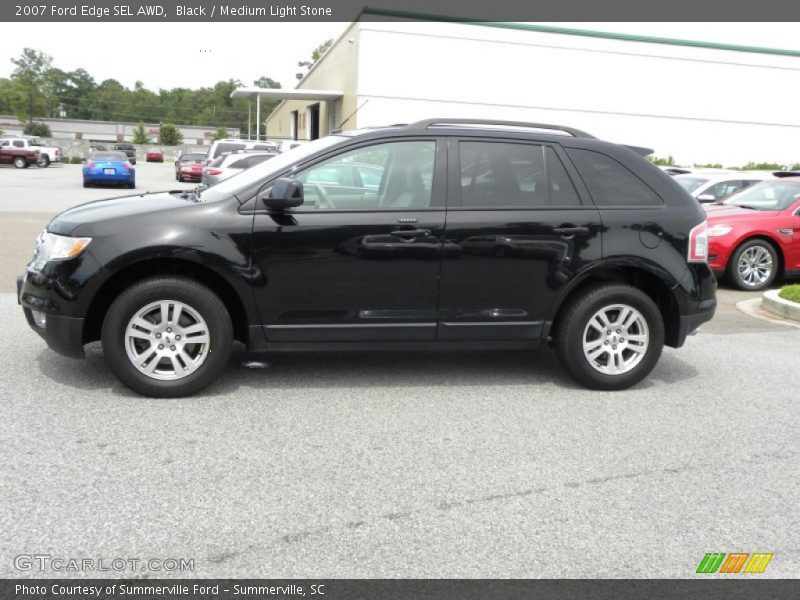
[690, 184]
[769, 195]
[267, 169]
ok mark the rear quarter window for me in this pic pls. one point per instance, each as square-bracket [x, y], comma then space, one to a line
[610, 183]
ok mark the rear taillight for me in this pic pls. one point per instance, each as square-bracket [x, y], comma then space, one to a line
[698, 243]
[58, 152]
[214, 172]
[128, 165]
[90, 165]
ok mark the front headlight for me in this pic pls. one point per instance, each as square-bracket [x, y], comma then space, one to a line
[50, 246]
[719, 230]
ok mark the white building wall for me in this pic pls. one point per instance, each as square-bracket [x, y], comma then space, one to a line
[696, 104]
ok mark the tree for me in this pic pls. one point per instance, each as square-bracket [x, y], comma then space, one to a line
[30, 77]
[662, 162]
[140, 135]
[169, 135]
[266, 82]
[38, 129]
[220, 133]
[316, 54]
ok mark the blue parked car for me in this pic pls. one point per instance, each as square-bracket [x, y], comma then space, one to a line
[108, 167]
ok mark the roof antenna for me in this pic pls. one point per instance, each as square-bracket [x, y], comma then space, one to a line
[339, 128]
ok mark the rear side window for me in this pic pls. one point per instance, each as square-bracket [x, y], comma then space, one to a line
[610, 183]
[510, 175]
[225, 147]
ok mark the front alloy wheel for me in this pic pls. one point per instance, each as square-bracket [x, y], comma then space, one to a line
[754, 265]
[167, 336]
[167, 340]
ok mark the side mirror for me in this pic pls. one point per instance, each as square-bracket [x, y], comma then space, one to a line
[706, 198]
[284, 193]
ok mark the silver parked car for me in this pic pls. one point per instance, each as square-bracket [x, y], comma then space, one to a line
[230, 164]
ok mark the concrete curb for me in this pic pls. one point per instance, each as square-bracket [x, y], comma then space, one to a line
[754, 309]
[774, 304]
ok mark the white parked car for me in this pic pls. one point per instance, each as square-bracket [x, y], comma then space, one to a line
[228, 165]
[713, 186]
[221, 147]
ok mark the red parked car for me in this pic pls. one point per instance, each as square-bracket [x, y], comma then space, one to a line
[154, 155]
[754, 235]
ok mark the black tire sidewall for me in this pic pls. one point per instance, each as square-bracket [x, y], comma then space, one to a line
[569, 341]
[201, 299]
[733, 267]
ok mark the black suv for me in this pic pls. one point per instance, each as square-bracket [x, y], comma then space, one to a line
[129, 150]
[446, 233]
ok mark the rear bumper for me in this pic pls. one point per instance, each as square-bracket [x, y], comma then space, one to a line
[62, 334]
[689, 324]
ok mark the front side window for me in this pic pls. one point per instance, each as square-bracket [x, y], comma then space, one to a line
[511, 175]
[610, 183]
[388, 176]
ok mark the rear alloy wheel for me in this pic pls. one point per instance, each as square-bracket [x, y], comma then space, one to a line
[167, 337]
[20, 162]
[611, 337]
[754, 265]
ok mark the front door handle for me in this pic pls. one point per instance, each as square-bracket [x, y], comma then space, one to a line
[569, 232]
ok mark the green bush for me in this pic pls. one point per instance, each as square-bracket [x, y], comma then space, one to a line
[74, 160]
[791, 292]
[169, 135]
[38, 129]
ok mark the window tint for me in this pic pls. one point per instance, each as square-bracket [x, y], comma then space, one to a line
[560, 188]
[499, 174]
[227, 148]
[19, 143]
[610, 183]
[401, 176]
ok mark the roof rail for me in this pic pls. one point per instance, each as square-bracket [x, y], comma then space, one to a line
[427, 123]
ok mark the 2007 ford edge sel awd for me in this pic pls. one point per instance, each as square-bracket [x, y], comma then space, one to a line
[446, 233]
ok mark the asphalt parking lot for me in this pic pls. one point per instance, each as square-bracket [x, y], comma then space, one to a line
[482, 464]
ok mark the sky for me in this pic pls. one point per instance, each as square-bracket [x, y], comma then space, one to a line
[196, 55]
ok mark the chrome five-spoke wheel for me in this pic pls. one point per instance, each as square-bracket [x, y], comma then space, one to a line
[755, 266]
[167, 340]
[615, 339]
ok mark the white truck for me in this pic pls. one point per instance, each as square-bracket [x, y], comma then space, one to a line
[47, 154]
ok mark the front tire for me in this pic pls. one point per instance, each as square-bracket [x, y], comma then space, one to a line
[753, 265]
[20, 162]
[610, 337]
[167, 337]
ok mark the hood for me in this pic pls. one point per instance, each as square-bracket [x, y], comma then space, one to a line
[718, 211]
[116, 208]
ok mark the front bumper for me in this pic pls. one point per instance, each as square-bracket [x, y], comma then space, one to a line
[62, 334]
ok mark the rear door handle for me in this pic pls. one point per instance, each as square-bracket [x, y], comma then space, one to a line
[411, 233]
[570, 231]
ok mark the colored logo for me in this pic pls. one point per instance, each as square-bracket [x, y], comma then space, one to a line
[734, 562]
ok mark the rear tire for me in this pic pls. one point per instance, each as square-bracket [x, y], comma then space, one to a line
[20, 162]
[610, 337]
[86, 183]
[44, 161]
[753, 266]
[151, 353]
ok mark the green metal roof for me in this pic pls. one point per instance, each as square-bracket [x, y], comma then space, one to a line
[381, 12]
